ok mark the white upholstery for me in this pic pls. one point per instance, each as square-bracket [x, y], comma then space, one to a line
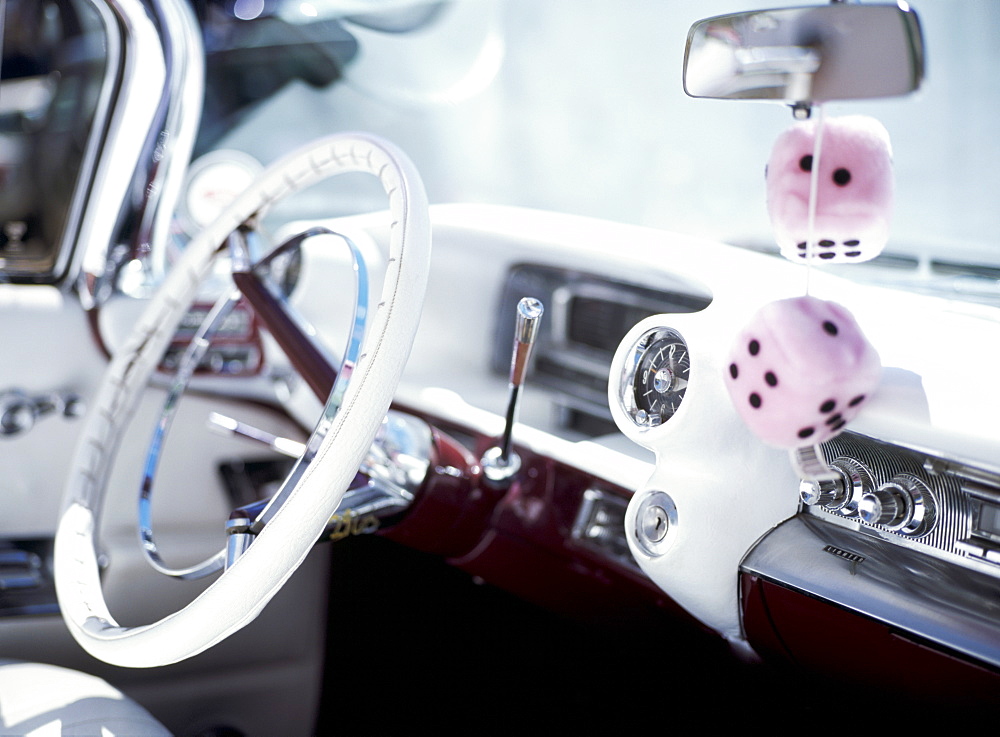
[45, 701]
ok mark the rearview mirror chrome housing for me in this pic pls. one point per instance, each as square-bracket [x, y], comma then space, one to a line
[807, 54]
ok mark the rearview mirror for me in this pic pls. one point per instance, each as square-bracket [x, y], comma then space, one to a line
[804, 55]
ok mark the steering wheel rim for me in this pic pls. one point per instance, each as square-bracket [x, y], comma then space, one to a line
[238, 595]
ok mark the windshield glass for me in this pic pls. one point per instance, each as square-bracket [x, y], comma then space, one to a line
[577, 106]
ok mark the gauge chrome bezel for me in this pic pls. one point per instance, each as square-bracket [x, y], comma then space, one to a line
[626, 387]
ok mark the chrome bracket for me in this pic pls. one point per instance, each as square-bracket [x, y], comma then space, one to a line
[238, 539]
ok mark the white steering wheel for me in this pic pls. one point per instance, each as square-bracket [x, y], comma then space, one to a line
[239, 594]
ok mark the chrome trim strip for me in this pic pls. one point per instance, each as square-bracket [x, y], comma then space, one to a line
[168, 147]
[941, 602]
[96, 140]
[148, 142]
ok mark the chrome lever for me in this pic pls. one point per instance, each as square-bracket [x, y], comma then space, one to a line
[224, 425]
[500, 463]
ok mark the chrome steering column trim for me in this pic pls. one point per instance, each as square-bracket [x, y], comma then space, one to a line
[930, 598]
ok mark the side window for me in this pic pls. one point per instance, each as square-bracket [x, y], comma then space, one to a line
[52, 75]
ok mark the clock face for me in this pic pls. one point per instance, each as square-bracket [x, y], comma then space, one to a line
[662, 367]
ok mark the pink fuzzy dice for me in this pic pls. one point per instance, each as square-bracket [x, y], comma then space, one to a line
[800, 371]
[854, 196]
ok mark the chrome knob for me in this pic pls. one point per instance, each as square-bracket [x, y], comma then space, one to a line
[923, 507]
[529, 317]
[17, 413]
[826, 492]
[890, 506]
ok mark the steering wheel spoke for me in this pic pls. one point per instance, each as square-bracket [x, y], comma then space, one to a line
[252, 275]
[285, 531]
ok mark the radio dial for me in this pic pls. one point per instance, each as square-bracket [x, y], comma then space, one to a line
[841, 494]
[889, 506]
[825, 492]
[904, 503]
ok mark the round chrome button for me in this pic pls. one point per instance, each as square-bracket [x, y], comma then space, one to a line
[655, 521]
[827, 492]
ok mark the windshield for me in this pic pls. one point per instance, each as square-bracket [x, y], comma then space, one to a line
[577, 106]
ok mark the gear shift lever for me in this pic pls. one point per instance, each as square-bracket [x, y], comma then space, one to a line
[500, 463]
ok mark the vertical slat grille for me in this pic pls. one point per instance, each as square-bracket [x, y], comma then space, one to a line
[884, 461]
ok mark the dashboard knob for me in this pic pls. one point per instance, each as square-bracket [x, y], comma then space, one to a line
[826, 492]
[890, 505]
[17, 413]
[843, 492]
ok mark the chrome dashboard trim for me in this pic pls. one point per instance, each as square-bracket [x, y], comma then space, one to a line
[95, 138]
[955, 607]
[600, 526]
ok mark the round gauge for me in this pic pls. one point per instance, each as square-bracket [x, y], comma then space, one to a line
[213, 181]
[656, 377]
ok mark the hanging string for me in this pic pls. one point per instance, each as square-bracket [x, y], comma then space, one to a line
[813, 194]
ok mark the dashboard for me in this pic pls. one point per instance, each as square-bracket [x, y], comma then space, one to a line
[638, 501]
[898, 555]
[660, 490]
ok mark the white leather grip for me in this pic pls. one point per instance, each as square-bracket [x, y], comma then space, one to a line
[236, 598]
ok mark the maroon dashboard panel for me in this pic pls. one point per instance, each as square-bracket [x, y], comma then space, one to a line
[823, 638]
[527, 538]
